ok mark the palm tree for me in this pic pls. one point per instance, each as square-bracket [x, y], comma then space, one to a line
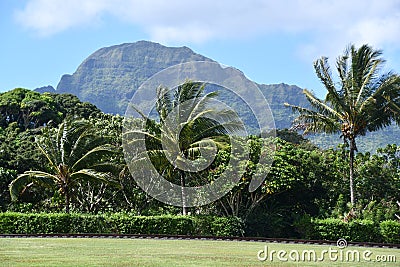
[184, 132]
[74, 153]
[364, 100]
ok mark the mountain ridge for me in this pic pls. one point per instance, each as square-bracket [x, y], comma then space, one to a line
[109, 77]
[119, 70]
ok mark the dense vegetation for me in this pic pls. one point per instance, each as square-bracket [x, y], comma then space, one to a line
[118, 223]
[364, 100]
[58, 154]
[304, 181]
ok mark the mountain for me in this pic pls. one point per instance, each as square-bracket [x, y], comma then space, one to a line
[45, 89]
[109, 77]
[276, 95]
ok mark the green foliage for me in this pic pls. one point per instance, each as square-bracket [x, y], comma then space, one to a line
[27, 108]
[330, 229]
[270, 219]
[185, 127]
[18, 150]
[377, 211]
[121, 223]
[128, 224]
[6, 176]
[30, 109]
[75, 153]
[364, 100]
[364, 231]
[390, 230]
[218, 226]
[70, 105]
[356, 230]
[303, 182]
[36, 223]
[377, 177]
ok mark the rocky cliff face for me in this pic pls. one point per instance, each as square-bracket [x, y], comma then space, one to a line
[109, 77]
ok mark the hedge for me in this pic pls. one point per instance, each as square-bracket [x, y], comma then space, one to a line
[357, 230]
[390, 230]
[120, 223]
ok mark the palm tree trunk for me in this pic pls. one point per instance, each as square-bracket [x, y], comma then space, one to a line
[183, 184]
[351, 178]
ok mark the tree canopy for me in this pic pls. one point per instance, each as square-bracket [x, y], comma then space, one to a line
[363, 100]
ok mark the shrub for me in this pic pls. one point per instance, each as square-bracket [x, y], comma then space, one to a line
[334, 229]
[364, 231]
[129, 224]
[330, 229]
[218, 226]
[390, 231]
[120, 223]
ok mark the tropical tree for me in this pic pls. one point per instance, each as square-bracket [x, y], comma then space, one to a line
[75, 154]
[28, 108]
[364, 100]
[185, 131]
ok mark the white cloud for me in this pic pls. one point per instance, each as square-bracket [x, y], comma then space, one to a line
[49, 17]
[329, 24]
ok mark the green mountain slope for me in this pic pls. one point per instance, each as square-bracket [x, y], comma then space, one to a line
[109, 77]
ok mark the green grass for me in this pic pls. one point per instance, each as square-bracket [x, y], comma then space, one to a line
[149, 252]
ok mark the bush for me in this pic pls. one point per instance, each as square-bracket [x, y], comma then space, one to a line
[334, 229]
[390, 231]
[129, 224]
[120, 223]
[218, 226]
[330, 229]
[364, 231]
[357, 230]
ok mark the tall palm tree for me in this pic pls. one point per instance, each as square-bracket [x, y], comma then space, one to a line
[184, 131]
[364, 99]
[74, 153]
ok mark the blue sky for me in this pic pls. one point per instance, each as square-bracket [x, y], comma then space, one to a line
[270, 41]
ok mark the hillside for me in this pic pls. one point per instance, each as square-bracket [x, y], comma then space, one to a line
[109, 77]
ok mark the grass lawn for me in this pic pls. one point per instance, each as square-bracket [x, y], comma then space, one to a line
[154, 252]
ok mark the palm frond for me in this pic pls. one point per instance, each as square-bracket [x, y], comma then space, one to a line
[321, 106]
[137, 136]
[367, 80]
[314, 122]
[50, 159]
[365, 65]
[41, 178]
[95, 176]
[164, 102]
[84, 143]
[93, 155]
[108, 167]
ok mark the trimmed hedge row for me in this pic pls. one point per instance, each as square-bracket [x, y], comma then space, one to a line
[357, 230]
[390, 231]
[120, 223]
